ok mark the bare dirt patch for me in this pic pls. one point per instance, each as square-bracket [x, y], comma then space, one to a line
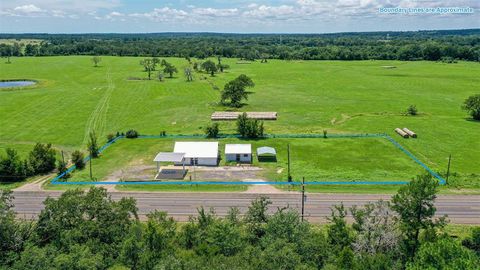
[139, 172]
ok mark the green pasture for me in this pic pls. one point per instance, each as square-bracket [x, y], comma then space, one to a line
[333, 159]
[73, 97]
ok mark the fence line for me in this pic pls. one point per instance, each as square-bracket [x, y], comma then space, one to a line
[224, 136]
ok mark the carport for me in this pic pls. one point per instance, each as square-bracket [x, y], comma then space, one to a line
[266, 153]
[176, 158]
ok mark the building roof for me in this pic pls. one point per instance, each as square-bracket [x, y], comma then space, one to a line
[265, 150]
[169, 157]
[197, 149]
[238, 149]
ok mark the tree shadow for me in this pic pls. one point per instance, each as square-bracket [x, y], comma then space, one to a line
[471, 119]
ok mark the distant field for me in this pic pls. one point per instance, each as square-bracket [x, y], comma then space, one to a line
[73, 97]
[20, 41]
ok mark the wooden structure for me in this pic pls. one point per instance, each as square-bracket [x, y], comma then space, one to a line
[401, 133]
[230, 116]
[410, 133]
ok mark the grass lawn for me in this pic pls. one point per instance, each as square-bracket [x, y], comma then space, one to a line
[309, 96]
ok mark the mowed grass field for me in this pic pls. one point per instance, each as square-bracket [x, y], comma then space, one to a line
[315, 159]
[73, 97]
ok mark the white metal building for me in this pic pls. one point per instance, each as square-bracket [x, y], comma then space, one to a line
[238, 152]
[198, 153]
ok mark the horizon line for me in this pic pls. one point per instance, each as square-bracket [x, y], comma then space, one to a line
[232, 33]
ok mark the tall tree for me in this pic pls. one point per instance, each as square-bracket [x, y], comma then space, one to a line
[148, 65]
[444, 254]
[42, 158]
[93, 145]
[96, 60]
[472, 105]
[414, 204]
[377, 230]
[339, 235]
[169, 68]
[210, 67]
[188, 74]
[11, 167]
[235, 90]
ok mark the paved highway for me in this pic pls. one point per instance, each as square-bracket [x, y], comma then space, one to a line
[461, 209]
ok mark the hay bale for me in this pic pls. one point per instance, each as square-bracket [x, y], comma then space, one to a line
[401, 133]
[410, 133]
[218, 116]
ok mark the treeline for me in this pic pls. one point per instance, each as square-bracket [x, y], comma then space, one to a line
[41, 160]
[421, 45]
[91, 231]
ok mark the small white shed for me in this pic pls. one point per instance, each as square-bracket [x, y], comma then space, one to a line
[198, 153]
[238, 153]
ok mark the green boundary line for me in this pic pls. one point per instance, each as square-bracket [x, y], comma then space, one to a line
[56, 180]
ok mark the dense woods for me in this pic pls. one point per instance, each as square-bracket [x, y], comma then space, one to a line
[445, 45]
[88, 230]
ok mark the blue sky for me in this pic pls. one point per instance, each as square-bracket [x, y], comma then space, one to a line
[238, 16]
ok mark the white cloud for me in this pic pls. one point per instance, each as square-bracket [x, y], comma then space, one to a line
[213, 12]
[241, 13]
[164, 14]
[58, 13]
[272, 12]
[28, 9]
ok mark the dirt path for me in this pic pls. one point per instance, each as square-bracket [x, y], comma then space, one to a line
[98, 118]
[261, 189]
[35, 185]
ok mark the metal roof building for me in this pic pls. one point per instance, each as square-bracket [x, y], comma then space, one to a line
[238, 152]
[198, 153]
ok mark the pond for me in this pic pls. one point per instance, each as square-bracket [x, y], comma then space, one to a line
[5, 84]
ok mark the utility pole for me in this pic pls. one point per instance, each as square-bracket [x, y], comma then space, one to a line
[303, 198]
[90, 162]
[63, 161]
[288, 158]
[448, 168]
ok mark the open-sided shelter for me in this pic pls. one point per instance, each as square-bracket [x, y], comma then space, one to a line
[177, 158]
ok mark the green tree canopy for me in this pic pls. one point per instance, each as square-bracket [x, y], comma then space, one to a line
[414, 204]
[235, 90]
[210, 67]
[472, 105]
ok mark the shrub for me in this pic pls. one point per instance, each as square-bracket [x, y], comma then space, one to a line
[131, 134]
[78, 159]
[212, 130]
[12, 168]
[92, 145]
[412, 110]
[42, 158]
[62, 167]
[110, 137]
[472, 105]
[249, 128]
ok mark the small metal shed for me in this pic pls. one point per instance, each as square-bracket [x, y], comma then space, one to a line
[238, 152]
[266, 153]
